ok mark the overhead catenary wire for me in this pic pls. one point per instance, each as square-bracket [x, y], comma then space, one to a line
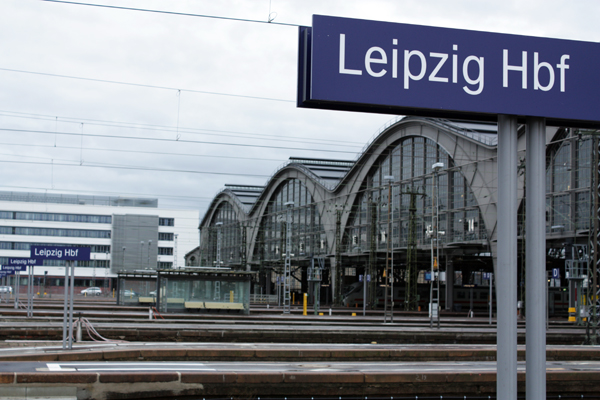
[180, 141]
[146, 85]
[165, 128]
[269, 21]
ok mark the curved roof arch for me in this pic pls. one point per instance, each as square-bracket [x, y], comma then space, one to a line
[224, 196]
[472, 146]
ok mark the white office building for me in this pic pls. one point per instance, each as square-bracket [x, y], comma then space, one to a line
[124, 234]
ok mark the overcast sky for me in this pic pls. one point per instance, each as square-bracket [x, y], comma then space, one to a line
[156, 88]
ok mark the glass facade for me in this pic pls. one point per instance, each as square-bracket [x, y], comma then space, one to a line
[568, 182]
[307, 231]
[410, 163]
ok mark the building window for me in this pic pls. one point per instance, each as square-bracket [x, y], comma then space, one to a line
[8, 230]
[54, 217]
[94, 248]
[165, 251]
[164, 265]
[166, 221]
[164, 236]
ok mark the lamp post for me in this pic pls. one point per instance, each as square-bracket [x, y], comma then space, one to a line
[149, 245]
[434, 261]
[388, 179]
[437, 228]
[141, 251]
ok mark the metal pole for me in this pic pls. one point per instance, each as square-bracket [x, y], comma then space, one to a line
[30, 293]
[387, 250]
[392, 269]
[17, 287]
[71, 305]
[433, 236]
[506, 266]
[364, 292]
[437, 240]
[595, 215]
[66, 299]
[491, 294]
[548, 275]
[535, 215]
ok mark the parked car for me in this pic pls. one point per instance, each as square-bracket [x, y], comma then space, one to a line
[5, 289]
[129, 293]
[92, 291]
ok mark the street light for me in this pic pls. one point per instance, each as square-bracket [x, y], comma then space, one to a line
[388, 179]
[141, 250]
[149, 245]
[434, 236]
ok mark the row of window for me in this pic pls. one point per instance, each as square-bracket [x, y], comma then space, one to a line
[94, 248]
[167, 236]
[62, 263]
[55, 217]
[26, 231]
[165, 251]
[166, 221]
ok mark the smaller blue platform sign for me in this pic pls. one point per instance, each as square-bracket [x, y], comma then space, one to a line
[555, 273]
[13, 268]
[60, 253]
[15, 261]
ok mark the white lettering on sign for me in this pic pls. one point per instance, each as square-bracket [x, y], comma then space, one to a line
[343, 69]
[418, 64]
[43, 253]
[537, 67]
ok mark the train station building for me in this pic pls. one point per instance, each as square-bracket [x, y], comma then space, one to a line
[423, 192]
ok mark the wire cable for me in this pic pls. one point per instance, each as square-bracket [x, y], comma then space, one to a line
[179, 141]
[270, 21]
[144, 85]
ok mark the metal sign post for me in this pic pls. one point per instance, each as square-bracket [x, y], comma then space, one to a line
[30, 293]
[17, 287]
[536, 259]
[69, 255]
[65, 306]
[401, 69]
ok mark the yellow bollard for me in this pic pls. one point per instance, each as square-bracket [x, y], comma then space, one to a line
[231, 296]
[305, 306]
[354, 314]
[321, 314]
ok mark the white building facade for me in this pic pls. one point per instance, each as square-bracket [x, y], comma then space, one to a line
[124, 234]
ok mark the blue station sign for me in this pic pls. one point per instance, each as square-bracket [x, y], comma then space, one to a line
[371, 66]
[60, 253]
[24, 262]
[13, 268]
